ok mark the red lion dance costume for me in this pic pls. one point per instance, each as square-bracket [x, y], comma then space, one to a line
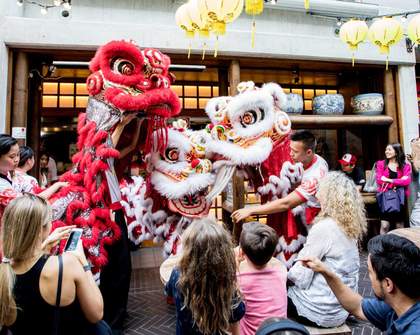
[124, 80]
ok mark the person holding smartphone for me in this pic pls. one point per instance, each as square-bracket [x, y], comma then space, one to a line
[33, 306]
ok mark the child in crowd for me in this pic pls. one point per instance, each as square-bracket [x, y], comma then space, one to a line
[204, 285]
[261, 281]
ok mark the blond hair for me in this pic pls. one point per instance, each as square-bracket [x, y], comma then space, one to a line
[21, 232]
[208, 275]
[342, 201]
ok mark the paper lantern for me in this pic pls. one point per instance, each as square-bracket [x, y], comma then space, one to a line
[184, 21]
[199, 21]
[219, 14]
[353, 33]
[413, 30]
[384, 33]
[253, 7]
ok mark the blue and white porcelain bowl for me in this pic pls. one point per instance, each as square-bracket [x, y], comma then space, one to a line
[294, 104]
[368, 104]
[328, 104]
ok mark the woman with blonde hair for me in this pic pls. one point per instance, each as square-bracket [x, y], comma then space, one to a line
[41, 294]
[204, 284]
[333, 239]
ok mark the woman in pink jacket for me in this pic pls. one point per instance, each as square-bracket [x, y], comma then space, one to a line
[392, 172]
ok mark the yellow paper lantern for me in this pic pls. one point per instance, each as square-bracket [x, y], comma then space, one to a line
[219, 14]
[413, 30]
[184, 21]
[199, 21]
[384, 33]
[353, 33]
[253, 7]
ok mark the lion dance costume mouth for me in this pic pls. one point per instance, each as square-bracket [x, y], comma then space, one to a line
[124, 79]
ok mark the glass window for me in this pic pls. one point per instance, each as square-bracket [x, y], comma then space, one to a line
[190, 103]
[215, 91]
[308, 105]
[49, 101]
[203, 102]
[67, 88]
[66, 102]
[297, 91]
[49, 88]
[320, 92]
[81, 89]
[204, 91]
[177, 89]
[190, 91]
[81, 101]
[308, 94]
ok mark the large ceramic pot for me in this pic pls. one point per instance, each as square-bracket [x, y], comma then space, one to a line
[328, 104]
[368, 104]
[294, 104]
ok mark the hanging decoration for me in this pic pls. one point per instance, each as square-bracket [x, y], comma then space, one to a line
[199, 21]
[207, 16]
[219, 14]
[184, 21]
[306, 2]
[385, 32]
[353, 33]
[253, 7]
[413, 30]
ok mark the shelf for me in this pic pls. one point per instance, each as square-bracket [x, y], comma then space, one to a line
[339, 121]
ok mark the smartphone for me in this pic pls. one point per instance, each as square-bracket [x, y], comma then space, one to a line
[73, 239]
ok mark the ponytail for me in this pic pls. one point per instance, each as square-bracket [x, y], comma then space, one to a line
[7, 301]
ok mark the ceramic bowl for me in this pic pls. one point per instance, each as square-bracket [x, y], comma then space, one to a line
[328, 104]
[368, 104]
[294, 104]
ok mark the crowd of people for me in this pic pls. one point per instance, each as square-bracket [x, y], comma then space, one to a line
[219, 288]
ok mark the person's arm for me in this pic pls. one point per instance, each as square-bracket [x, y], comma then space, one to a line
[350, 300]
[317, 245]
[292, 200]
[116, 134]
[380, 174]
[405, 180]
[47, 193]
[125, 151]
[234, 328]
[87, 292]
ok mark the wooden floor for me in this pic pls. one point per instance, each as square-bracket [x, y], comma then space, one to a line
[149, 314]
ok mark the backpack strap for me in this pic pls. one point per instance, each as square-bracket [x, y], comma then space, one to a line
[282, 325]
[58, 296]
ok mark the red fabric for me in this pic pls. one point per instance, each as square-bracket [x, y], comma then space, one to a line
[310, 214]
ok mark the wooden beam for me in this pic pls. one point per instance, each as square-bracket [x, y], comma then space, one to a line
[391, 105]
[20, 92]
[238, 182]
[339, 121]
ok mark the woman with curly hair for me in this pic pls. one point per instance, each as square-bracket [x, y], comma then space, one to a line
[204, 284]
[333, 239]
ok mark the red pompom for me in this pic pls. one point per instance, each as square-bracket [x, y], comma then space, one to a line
[195, 162]
[94, 83]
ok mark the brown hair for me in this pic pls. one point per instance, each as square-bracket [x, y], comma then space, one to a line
[21, 232]
[208, 275]
[258, 241]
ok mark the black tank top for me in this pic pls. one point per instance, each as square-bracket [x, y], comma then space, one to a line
[35, 315]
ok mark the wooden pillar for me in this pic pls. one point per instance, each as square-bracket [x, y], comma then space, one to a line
[238, 182]
[391, 105]
[20, 92]
[33, 135]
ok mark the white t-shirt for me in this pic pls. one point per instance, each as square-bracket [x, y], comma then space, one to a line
[310, 181]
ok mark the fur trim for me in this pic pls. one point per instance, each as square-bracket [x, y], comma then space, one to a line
[248, 101]
[280, 98]
[175, 190]
[253, 155]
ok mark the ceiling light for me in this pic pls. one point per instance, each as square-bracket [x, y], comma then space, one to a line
[44, 10]
[19, 3]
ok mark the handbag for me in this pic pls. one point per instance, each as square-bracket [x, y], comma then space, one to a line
[390, 201]
[371, 186]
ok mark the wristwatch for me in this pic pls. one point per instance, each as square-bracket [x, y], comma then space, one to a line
[87, 267]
